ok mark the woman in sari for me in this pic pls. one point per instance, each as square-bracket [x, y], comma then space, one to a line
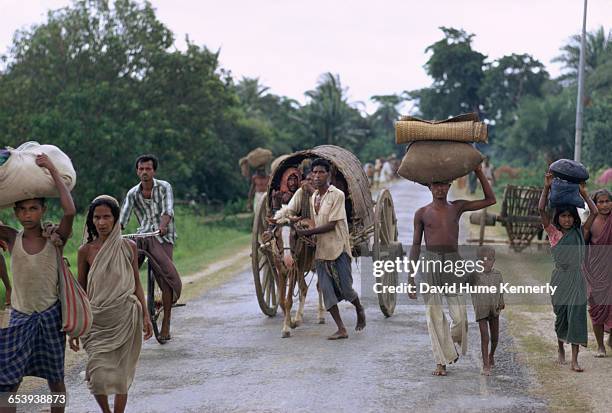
[566, 237]
[108, 271]
[597, 270]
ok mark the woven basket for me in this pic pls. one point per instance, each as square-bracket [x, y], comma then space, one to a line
[259, 157]
[462, 128]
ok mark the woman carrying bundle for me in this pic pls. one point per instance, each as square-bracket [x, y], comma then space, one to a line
[566, 237]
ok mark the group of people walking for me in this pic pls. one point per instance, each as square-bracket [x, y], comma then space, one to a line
[108, 271]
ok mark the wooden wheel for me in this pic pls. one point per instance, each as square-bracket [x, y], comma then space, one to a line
[386, 247]
[262, 264]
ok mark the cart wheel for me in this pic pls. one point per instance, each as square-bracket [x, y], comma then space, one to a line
[263, 268]
[386, 247]
[154, 303]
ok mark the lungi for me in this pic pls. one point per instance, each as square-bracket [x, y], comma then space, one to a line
[336, 280]
[32, 345]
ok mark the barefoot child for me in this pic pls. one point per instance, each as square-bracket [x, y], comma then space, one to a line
[34, 343]
[567, 247]
[487, 306]
[108, 271]
[598, 270]
[439, 221]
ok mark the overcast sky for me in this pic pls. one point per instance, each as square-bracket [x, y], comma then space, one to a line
[377, 47]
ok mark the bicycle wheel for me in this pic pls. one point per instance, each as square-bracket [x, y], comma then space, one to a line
[154, 303]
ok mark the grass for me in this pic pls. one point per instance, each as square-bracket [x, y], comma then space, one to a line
[200, 242]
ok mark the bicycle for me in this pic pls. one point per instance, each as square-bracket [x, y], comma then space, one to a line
[154, 293]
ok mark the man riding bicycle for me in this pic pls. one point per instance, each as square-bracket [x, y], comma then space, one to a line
[153, 205]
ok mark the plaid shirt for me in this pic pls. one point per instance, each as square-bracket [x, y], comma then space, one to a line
[149, 211]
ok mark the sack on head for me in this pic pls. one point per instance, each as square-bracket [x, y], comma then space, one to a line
[426, 162]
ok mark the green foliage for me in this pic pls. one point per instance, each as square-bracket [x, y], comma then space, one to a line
[543, 127]
[457, 73]
[598, 49]
[598, 127]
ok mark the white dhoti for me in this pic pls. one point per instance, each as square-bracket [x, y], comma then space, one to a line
[259, 196]
[443, 334]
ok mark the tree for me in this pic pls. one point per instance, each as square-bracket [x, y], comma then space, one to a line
[506, 81]
[598, 47]
[251, 93]
[100, 81]
[328, 117]
[457, 73]
[544, 127]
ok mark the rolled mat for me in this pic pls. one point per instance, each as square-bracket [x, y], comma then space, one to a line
[462, 128]
[438, 161]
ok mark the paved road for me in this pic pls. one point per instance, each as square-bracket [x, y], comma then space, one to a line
[226, 356]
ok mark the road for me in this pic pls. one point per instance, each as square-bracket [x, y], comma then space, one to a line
[226, 356]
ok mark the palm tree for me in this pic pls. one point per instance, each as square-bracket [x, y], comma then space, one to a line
[250, 92]
[328, 116]
[598, 51]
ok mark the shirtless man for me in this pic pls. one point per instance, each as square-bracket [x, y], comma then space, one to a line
[439, 221]
[259, 186]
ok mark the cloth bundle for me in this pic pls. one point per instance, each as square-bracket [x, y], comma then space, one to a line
[563, 192]
[439, 151]
[21, 178]
[569, 170]
[565, 188]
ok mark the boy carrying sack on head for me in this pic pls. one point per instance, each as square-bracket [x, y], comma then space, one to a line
[34, 343]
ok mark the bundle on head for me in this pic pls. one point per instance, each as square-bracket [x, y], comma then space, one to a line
[439, 151]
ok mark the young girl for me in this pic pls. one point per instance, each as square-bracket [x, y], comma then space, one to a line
[567, 241]
[108, 271]
[597, 265]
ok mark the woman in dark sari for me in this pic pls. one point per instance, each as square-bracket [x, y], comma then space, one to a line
[566, 237]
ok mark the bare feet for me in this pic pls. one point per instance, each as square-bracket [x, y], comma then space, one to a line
[361, 319]
[165, 330]
[486, 370]
[561, 359]
[576, 367]
[491, 360]
[440, 370]
[338, 335]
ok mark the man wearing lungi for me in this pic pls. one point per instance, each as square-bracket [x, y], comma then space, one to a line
[153, 203]
[34, 344]
[439, 221]
[333, 250]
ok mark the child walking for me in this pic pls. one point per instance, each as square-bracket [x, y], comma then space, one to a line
[566, 237]
[487, 306]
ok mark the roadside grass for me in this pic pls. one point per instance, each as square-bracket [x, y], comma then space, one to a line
[201, 240]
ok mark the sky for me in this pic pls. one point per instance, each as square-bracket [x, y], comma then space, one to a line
[377, 47]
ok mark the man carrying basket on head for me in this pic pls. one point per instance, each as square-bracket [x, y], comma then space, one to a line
[153, 203]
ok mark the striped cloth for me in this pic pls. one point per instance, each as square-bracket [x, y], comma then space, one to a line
[149, 211]
[32, 345]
